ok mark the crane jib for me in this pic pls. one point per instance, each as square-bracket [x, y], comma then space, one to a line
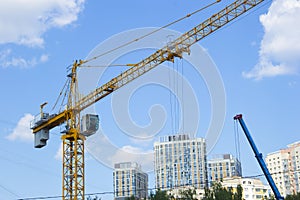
[167, 53]
[73, 141]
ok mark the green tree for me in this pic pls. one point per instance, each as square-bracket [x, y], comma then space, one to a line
[159, 195]
[217, 192]
[270, 198]
[132, 197]
[208, 194]
[189, 194]
[293, 197]
[239, 193]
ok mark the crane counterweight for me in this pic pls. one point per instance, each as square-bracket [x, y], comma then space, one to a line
[89, 124]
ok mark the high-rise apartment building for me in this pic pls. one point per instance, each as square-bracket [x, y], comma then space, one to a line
[180, 161]
[222, 166]
[284, 166]
[130, 180]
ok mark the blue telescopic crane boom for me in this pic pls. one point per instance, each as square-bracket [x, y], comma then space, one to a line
[259, 158]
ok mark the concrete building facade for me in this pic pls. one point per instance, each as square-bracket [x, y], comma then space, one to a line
[253, 189]
[180, 161]
[223, 166]
[284, 166]
[129, 180]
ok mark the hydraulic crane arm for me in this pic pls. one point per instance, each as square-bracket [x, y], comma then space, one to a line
[259, 158]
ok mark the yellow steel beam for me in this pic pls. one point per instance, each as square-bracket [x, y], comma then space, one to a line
[167, 53]
[52, 122]
[73, 165]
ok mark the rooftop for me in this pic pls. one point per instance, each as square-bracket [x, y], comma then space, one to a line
[127, 165]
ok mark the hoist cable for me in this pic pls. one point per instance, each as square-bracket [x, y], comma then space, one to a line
[60, 94]
[171, 102]
[65, 94]
[182, 96]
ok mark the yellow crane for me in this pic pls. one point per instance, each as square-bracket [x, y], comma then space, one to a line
[73, 137]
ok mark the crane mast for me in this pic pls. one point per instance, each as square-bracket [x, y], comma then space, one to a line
[73, 139]
[73, 145]
[259, 157]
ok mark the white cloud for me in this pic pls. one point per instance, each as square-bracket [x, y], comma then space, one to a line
[102, 149]
[280, 47]
[22, 131]
[44, 58]
[25, 22]
[59, 153]
[7, 59]
[133, 154]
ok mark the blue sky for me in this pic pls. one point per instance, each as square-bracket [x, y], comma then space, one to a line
[257, 58]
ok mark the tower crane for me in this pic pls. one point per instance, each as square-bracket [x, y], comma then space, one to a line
[73, 137]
